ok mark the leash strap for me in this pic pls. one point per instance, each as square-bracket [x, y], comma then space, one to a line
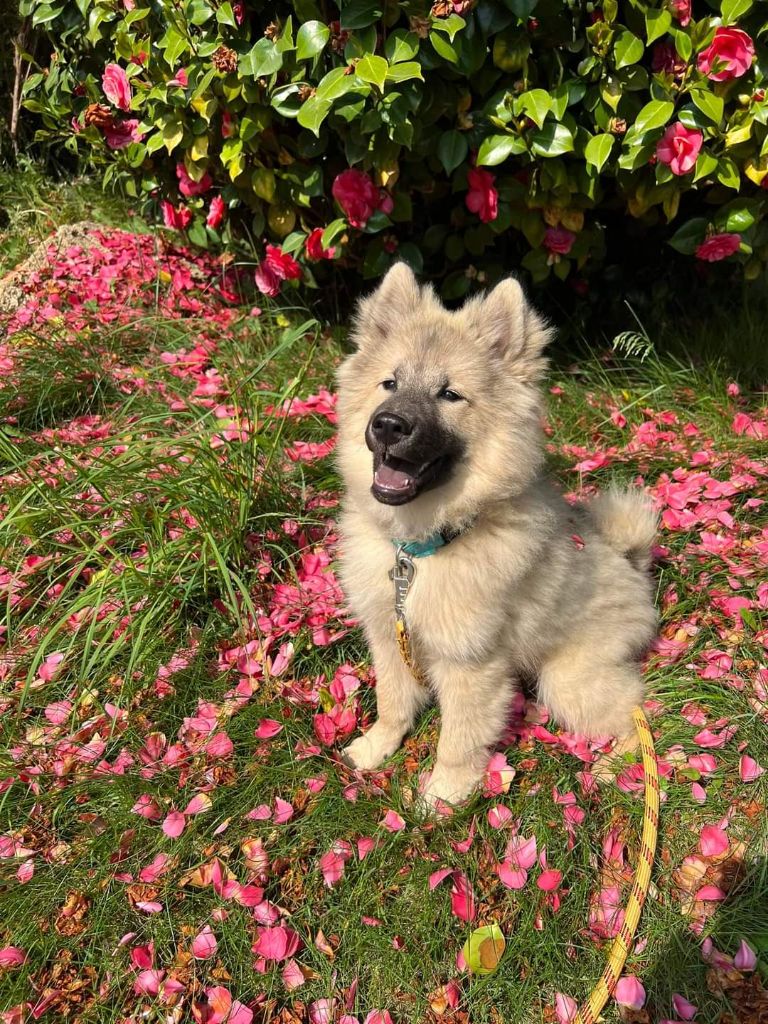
[617, 956]
[402, 576]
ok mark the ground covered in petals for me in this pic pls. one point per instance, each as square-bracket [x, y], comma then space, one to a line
[179, 839]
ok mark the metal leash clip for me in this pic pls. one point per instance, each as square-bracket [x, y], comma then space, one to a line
[402, 576]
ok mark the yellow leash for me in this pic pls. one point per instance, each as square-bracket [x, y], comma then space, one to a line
[589, 1012]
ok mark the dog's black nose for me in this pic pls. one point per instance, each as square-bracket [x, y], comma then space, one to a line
[388, 428]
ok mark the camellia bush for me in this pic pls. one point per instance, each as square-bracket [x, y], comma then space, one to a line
[464, 138]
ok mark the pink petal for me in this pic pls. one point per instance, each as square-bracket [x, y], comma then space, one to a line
[549, 880]
[710, 893]
[698, 792]
[283, 811]
[149, 906]
[522, 851]
[462, 897]
[292, 975]
[267, 728]
[745, 959]
[499, 816]
[629, 992]
[204, 944]
[713, 841]
[322, 1011]
[12, 956]
[261, 813]
[148, 982]
[438, 876]
[565, 1008]
[198, 804]
[364, 846]
[749, 769]
[683, 1009]
[332, 867]
[147, 807]
[220, 745]
[513, 878]
[174, 824]
[378, 1017]
[393, 822]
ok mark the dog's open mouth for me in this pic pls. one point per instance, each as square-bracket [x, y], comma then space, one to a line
[397, 481]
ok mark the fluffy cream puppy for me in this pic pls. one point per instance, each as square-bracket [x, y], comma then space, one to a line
[440, 433]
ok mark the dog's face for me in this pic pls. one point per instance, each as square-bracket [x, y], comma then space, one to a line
[439, 409]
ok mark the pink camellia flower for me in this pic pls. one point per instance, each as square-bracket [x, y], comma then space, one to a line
[718, 247]
[482, 198]
[216, 212]
[180, 79]
[122, 133]
[730, 54]
[116, 86]
[679, 147]
[629, 992]
[314, 246]
[276, 266]
[188, 186]
[357, 195]
[559, 240]
[204, 944]
[681, 10]
[178, 219]
[228, 125]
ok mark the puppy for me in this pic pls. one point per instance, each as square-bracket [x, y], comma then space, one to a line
[440, 443]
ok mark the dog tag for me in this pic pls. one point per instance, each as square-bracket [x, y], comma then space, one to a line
[402, 577]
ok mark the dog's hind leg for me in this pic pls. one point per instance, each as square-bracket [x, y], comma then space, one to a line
[591, 694]
[399, 698]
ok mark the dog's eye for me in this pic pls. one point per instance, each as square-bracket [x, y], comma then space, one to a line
[450, 396]
[390, 384]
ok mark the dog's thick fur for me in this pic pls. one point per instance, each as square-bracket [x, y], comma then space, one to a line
[516, 594]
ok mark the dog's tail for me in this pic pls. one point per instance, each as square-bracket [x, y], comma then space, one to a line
[627, 522]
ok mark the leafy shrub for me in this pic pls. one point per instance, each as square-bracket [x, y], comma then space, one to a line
[461, 138]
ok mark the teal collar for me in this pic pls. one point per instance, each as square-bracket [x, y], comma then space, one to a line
[422, 548]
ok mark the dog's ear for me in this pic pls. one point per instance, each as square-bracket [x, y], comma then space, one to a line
[512, 330]
[397, 297]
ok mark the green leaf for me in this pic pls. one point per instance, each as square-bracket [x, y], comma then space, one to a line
[411, 254]
[313, 112]
[627, 49]
[483, 949]
[657, 22]
[738, 215]
[335, 84]
[311, 38]
[445, 49]
[374, 70]
[173, 133]
[262, 59]
[404, 72]
[689, 236]
[401, 45]
[536, 103]
[732, 10]
[553, 140]
[598, 149]
[728, 173]
[709, 104]
[683, 43]
[495, 149]
[333, 232]
[224, 15]
[706, 165]
[653, 115]
[360, 13]
[522, 8]
[452, 150]
[450, 25]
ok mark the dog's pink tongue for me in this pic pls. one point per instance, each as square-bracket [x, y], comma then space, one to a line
[391, 478]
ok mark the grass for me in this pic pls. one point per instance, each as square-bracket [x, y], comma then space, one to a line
[130, 538]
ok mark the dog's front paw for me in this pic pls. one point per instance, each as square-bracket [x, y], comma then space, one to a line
[446, 787]
[371, 749]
